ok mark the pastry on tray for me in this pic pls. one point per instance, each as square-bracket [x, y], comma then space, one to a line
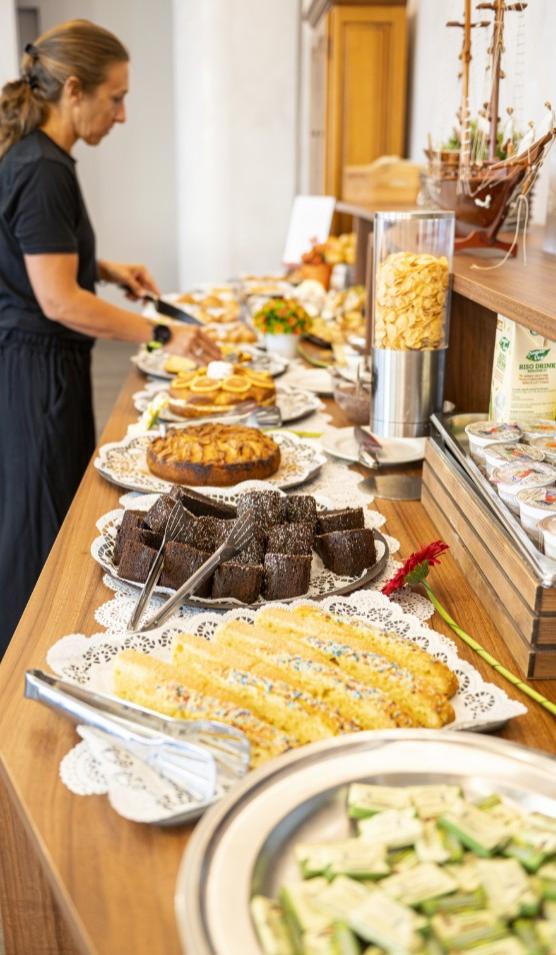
[340, 520]
[348, 552]
[275, 564]
[286, 575]
[237, 333]
[240, 581]
[180, 562]
[292, 676]
[218, 388]
[213, 454]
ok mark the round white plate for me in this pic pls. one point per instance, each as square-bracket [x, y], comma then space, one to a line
[124, 463]
[152, 363]
[293, 404]
[317, 380]
[340, 443]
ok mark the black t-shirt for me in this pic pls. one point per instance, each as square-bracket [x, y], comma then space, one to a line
[41, 211]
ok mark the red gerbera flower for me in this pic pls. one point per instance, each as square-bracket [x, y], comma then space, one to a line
[416, 567]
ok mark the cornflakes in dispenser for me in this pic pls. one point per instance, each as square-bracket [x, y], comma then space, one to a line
[410, 301]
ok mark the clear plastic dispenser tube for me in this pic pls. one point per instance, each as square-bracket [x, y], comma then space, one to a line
[412, 263]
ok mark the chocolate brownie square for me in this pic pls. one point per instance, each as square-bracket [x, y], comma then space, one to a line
[340, 520]
[286, 575]
[301, 508]
[241, 581]
[132, 521]
[290, 538]
[136, 561]
[348, 552]
[180, 562]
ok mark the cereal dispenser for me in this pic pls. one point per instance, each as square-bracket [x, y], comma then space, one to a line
[411, 306]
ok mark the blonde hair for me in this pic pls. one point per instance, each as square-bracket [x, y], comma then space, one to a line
[76, 48]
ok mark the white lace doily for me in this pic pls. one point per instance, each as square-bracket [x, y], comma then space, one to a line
[88, 661]
[124, 463]
[100, 766]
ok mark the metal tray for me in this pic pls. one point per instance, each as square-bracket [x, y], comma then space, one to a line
[244, 845]
[208, 603]
[448, 431]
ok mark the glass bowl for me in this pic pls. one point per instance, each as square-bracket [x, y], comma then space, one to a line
[354, 400]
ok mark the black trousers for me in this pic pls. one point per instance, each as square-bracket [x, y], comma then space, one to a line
[47, 436]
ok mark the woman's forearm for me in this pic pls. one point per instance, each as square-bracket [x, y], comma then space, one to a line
[84, 312]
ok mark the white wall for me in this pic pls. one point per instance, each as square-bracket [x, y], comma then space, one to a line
[236, 106]
[129, 180]
[8, 42]
[433, 90]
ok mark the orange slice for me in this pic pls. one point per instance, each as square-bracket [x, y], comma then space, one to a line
[236, 385]
[260, 378]
[204, 386]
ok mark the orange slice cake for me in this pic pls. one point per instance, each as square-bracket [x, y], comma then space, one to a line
[218, 388]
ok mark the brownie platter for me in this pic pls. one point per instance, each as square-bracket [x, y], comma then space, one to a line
[274, 565]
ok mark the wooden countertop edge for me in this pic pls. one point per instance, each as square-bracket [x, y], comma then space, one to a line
[74, 923]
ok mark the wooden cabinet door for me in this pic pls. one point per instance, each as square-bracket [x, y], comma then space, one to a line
[366, 87]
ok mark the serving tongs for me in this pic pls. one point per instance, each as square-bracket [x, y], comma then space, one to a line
[240, 535]
[175, 524]
[368, 447]
[194, 754]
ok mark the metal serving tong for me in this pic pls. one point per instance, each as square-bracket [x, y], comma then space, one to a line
[241, 534]
[176, 523]
[368, 447]
[194, 754]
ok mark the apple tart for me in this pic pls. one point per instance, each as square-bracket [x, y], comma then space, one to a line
[218, 388]
[216, 455]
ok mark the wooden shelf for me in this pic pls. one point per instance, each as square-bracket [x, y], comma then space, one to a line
[526, 293]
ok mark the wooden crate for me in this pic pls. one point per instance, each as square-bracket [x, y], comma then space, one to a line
[388, 179]
[523, 610]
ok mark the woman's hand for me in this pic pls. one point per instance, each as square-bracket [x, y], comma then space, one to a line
[192, 341]
[136, 278]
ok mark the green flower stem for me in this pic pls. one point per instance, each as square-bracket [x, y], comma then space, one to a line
[487, 657]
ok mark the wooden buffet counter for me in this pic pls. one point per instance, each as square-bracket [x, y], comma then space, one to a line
[74, 876]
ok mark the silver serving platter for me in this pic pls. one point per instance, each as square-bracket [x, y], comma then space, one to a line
[206, 603]
[244, 845]
[448, 433]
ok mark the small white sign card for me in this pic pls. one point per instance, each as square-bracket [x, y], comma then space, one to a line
[311, 218]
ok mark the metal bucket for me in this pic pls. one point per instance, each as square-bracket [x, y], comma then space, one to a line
[407, 388]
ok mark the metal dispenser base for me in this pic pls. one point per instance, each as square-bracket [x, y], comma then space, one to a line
[407, 388]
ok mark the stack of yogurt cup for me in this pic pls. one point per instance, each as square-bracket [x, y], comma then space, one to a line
[520, 459]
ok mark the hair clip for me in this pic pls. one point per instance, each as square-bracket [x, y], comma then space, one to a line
[31, 81]
[31, 50]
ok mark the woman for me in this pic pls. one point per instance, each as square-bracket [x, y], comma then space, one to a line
[73, 84]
